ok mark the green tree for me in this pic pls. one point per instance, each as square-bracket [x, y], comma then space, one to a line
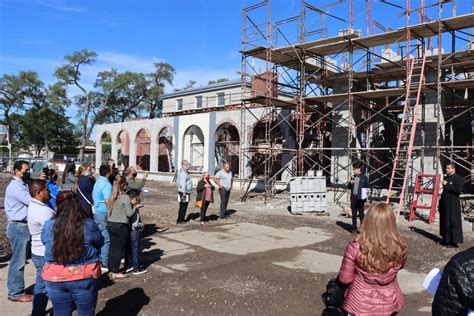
[16, 91]
[27, 91]
[122, 95]
[189, 85]
[217, 81]
[69, 74]
[38, 124]
[164, 74]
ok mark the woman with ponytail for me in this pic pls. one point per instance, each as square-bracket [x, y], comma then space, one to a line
[118, 225]
[72, 255]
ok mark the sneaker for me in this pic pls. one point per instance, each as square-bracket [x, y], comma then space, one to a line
[104, 269]
[139, 271]
[203, 223]
[128, 270]
[118, 276]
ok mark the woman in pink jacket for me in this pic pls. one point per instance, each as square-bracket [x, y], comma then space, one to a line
[371, 264]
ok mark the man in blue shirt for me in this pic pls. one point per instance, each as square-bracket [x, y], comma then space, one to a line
[17, 199]
[100, 194]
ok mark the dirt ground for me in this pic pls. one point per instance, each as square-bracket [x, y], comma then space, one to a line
[198, 279]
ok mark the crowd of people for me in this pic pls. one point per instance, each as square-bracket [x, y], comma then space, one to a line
[74, 229]
[89, 226]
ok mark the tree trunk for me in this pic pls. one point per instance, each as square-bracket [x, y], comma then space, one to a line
[86, 119]
[84, 133]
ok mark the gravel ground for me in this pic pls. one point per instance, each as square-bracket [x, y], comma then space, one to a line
[251, 285]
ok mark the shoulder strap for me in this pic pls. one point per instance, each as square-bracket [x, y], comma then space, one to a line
[83, 196]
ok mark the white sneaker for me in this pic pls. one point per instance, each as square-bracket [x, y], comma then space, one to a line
[104, 270]
[139, 271]
[129, 270]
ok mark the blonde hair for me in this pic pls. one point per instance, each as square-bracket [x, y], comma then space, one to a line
[380, 242]
[80, 172]
[119, 187]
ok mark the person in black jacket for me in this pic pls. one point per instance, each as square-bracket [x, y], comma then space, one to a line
[450, 218]
[455, 293]
[205, 194]
[359, 186]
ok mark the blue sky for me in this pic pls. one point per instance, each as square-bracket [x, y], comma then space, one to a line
[200, 38]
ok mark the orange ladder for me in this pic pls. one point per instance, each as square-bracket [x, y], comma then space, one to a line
[406, 136]
[421, 189]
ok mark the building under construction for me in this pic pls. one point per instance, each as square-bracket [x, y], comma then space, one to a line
[320, 90]
[401, 101]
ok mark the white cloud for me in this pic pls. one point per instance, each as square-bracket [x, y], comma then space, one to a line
[125, 62]
[61, 7]
[122, 62]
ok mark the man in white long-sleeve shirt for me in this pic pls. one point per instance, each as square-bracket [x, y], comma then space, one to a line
[185, 187]
[38, 213]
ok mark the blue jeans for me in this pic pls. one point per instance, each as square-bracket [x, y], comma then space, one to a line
[40, 297]
[133, 251]
[19, 236]
[101, 221]
[64, 295]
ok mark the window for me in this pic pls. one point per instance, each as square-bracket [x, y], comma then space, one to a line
[220, 99]
[179, 104]
[199, 102]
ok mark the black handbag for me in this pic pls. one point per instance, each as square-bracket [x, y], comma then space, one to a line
[333, 298]
[334, 295]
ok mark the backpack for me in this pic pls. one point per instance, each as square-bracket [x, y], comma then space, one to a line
[136, 221]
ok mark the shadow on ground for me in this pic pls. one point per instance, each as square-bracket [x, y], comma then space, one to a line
[346, 226]
[196, 215]
[129, 303]
[426, 234]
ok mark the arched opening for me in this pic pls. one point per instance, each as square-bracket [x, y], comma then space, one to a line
[165, 150]
[123, 149]
[143, 143]
[106, 141]
[266, 153]
[193, 148]
[227, 147]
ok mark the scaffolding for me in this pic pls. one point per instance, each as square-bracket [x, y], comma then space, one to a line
[340, 93]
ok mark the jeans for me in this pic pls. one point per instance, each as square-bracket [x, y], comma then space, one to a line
[119, 235]
[205, 205]
[101, 221]
[40, 297]
[225, 196]
[19, 236]
[183, 207]
[134, 250]
[357, 206]
[82, 293]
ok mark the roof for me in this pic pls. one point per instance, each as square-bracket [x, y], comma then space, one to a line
[213, 87]
[338, 44]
